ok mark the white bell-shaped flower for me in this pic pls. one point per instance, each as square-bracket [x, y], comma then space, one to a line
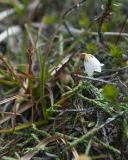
[91, 64]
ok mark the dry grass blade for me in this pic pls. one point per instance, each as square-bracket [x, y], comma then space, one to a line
[18, 98]
[75, 154]
[30, 35]
[11, 70]
[74, 151]
[41, 145]
[50, 94]
[10, 113]
[31, 54]
[23, 109]
[10, 99]
[57, 68]
[18, 102]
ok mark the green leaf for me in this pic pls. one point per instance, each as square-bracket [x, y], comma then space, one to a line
[116, 52]
[91, 48]
[111, 93]
[84, 21]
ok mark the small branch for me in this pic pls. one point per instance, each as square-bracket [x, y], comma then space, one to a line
[102, 17]
[93, 79]
[83, 31]
[123, 25]
[111, 34]
[75, 6]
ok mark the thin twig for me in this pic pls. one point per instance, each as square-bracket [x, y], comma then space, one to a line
[93, 79]
[123, 25]
[75, 6]
[77, 31]
[102, 17]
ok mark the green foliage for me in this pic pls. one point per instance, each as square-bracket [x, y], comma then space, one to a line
[50, 19]
[84, 22]
[91, 48]
[117, 54]
[105, 27]
[26, 2]
[111, 93]
[116, 51]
